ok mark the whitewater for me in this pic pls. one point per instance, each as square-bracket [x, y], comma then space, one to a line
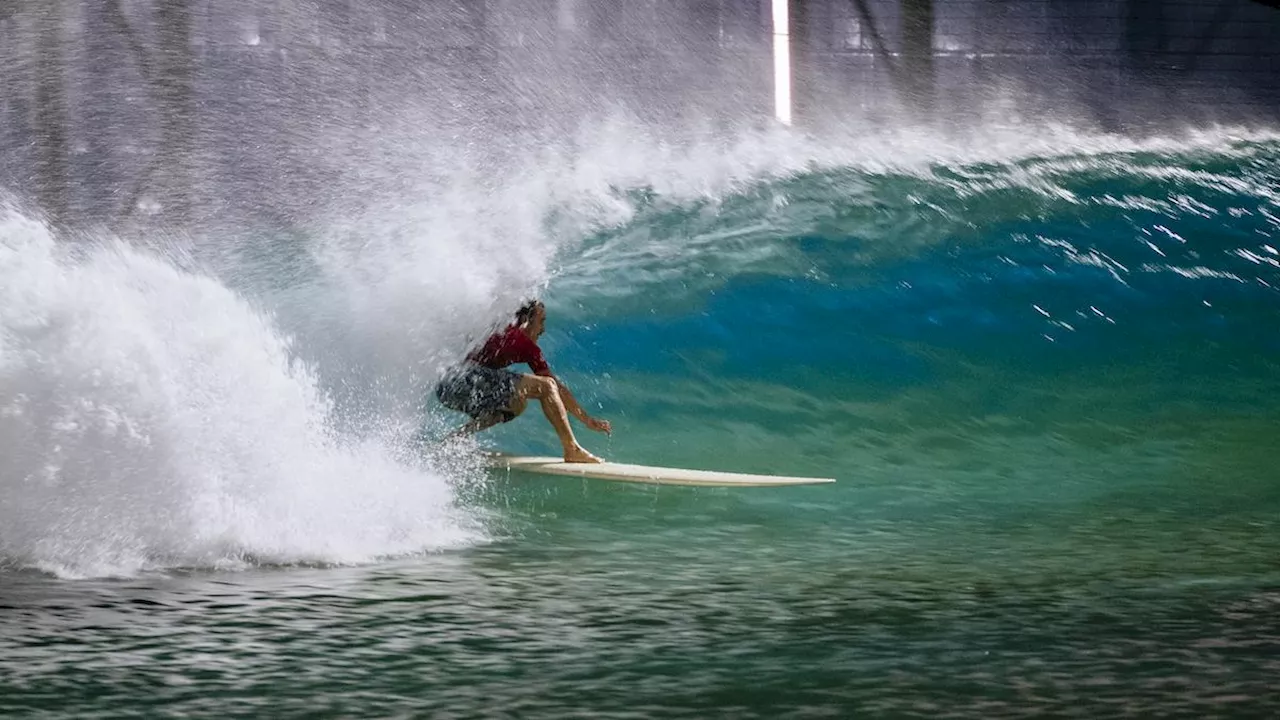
[180, 402]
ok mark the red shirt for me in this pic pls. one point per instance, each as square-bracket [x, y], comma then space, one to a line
[509, 347]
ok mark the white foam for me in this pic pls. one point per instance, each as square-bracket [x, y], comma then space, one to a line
[149, 417]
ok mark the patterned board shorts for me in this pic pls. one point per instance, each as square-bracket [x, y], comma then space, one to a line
[478, 391]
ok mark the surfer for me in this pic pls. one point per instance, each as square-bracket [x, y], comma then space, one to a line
[483, 388]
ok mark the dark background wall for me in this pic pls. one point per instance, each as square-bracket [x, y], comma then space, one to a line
[119, 111]
[1122, 62]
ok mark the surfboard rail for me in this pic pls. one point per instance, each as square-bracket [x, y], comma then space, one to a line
[647, 474]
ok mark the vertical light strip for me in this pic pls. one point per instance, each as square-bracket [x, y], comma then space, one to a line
[781, 62]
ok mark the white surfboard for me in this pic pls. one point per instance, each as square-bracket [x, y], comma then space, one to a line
[622, 472]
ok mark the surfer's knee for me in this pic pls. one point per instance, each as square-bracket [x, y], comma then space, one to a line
[542, 386]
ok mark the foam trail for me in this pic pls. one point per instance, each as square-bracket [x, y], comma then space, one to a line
[149, 417]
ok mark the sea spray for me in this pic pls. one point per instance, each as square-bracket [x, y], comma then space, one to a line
[150, 417]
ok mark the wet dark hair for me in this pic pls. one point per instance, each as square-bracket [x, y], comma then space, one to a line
[526, 311]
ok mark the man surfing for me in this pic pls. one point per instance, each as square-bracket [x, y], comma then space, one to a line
[483, 388]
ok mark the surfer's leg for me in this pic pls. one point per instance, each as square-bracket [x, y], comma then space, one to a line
[545, 391]
[488, 420]
[476, 425]
[517, 406]
[483, 393]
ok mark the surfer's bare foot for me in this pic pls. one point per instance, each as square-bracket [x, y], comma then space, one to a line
[580, 455]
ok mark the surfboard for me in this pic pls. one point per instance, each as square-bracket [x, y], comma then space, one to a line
[622, 472]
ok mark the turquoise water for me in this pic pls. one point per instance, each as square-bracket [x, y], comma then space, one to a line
[1045, 378]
